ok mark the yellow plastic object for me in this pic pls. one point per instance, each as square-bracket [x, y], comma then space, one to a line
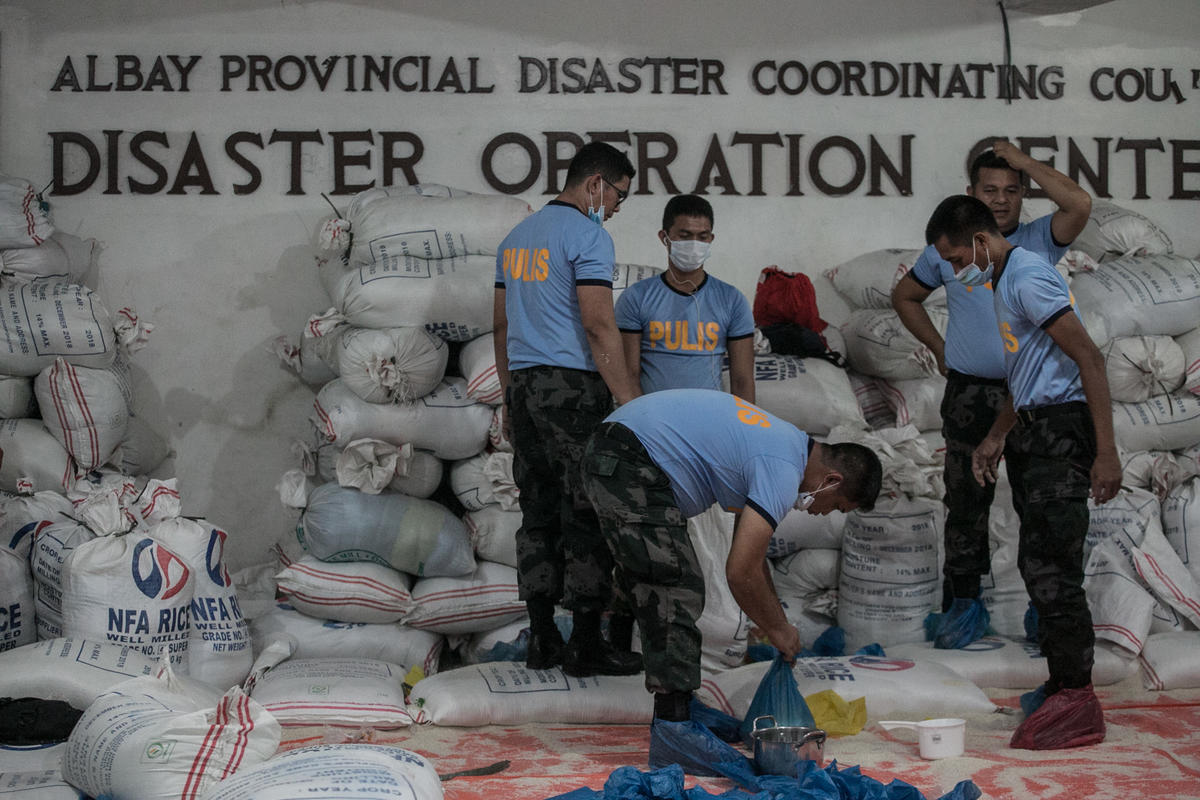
[836, 716]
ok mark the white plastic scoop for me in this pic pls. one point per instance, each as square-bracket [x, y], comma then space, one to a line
[936, 738]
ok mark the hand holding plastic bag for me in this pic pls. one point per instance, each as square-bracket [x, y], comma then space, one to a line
[778, 696]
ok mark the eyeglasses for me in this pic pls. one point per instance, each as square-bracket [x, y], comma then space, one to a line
[621, 193]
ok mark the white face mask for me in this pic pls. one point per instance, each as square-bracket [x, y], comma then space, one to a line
[689, 255]
[805, 500]
[596, 215]
[973, 275]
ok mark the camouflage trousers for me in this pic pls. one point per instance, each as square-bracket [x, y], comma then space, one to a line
[560, 553]
[657, 571]
[1049, 463]
[969, 407]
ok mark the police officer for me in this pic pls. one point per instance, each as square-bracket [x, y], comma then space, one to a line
[560, 363]
[1059, 429]
[974, 365]
[668, 456]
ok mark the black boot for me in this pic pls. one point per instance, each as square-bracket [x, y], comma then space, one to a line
[545, 642]
[588, 653]
[673, 706]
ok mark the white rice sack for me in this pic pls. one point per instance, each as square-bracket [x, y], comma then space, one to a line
[1153, 295]
[47, 319]
[724, 627]
[1112, 231]
[356, 591]
[149, 740]
[23, 220]
[450, 297]
[387, 224]
[391, 365]
[867, 280]
[393, 642]
[1157, 471]
[445, 422]
[142, 449]
[27, 758]
[809, 623]
[810, 393]
[913, 462]
[1181, 524]
[22, 514]
[915, 401]
[1189, 344]
[76, 671]
[506, 693]
[484, 600]
[219, 639]
[1139, 367]
[129, 590]
[61, 256]
[305, 359]
[1003, 589]
[891, 686]
[874, 407]
[891, 574]
[799, 530]
[335, 772]
[16, 397]
[477, 360]
[878, 344]
[354, 692]
[1171, 661]
[999, 663]
[493, 533]
[52, 544]
[86, 409]
[485, 479]
[1164, 422]
[625, 275]
[371, 466]
[33, 459]
[1132, 510]
[45, 784]
[807, 573]
[411, 534]
[18, 623]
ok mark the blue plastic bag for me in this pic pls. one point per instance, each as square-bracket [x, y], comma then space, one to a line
[724, 727]
[689, 745]
[779, 696]
[966, 621]
[1031, 623]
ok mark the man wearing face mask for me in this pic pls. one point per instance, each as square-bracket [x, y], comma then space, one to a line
[1055, 428]
[974, 364]
[678, 326]
[560, 363]
[670, 455]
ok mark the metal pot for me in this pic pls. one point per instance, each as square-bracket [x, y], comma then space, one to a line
[779, 749]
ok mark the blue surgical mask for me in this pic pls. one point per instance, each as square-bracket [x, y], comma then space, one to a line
[972, 275]
[596, 215]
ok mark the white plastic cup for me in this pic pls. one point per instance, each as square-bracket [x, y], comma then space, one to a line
[936, 738]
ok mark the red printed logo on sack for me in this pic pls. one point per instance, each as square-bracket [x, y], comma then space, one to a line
[214, 558]
[882, 664]
[158, 572]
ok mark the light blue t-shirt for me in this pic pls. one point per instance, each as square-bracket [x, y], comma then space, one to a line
[683, 336]
[717, 448]
[971, 308]
[539, 265]
[1030, 295]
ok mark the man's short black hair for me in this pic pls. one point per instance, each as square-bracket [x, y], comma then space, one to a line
[686, 205]
[989, 160]
[862, 473]
[958, 218]
[602, 157]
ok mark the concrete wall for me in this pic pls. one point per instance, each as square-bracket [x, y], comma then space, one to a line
[766, 106]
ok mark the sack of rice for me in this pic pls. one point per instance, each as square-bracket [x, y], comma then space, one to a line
[24, 221]
[1113, 232]
[85, 408]
[389, 365]
[420, 537]
[1140, 367]
[811, 393]
[61, 256]
[877, 344]
[866, 281]
[49, 318]
[1141, 295]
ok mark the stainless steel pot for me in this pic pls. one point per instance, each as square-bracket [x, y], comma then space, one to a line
[779, 749]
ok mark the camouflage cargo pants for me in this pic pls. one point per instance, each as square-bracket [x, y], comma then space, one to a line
[1050, 460]
[656, 565]
[560, 553]
[969, 407]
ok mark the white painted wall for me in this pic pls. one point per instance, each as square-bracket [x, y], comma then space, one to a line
[222, 275]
